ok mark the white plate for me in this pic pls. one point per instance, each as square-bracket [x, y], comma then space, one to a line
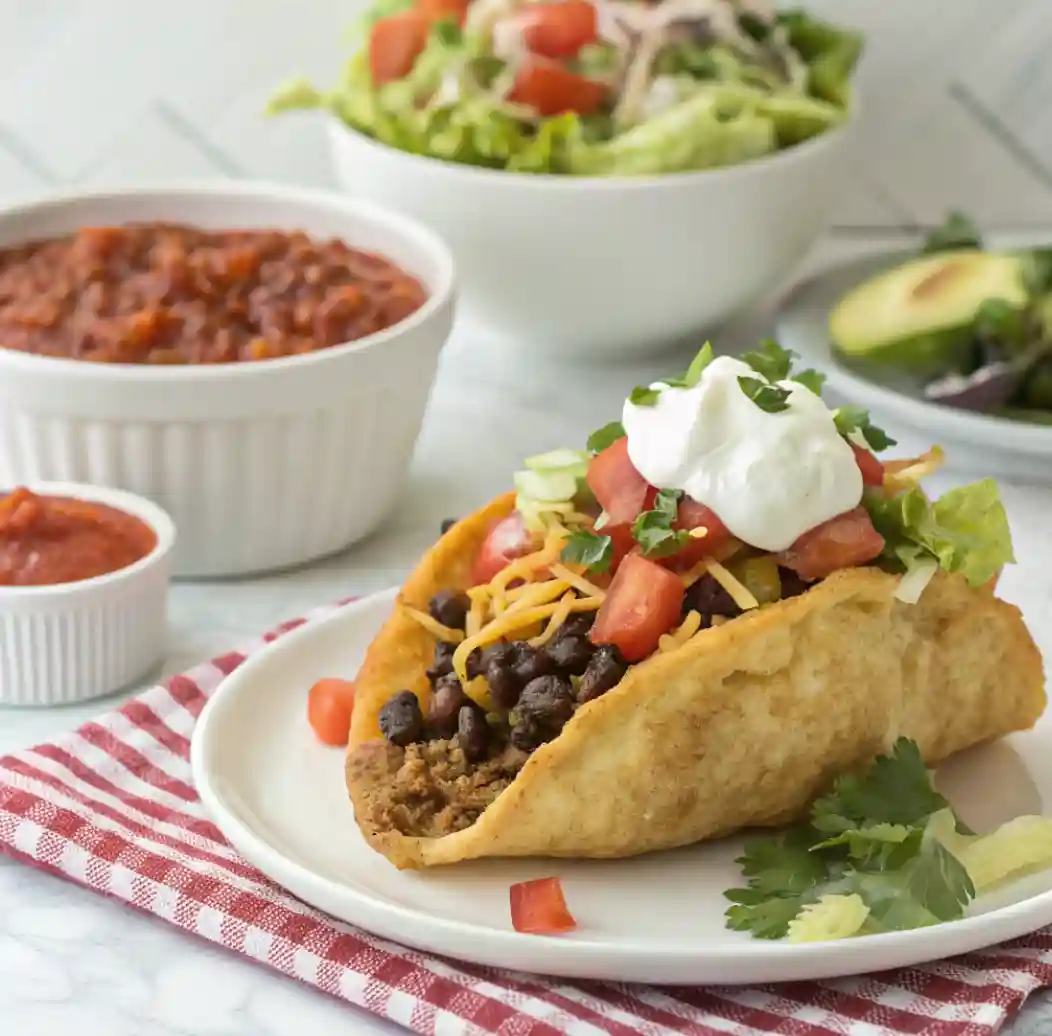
[279, 797]
[994, 445]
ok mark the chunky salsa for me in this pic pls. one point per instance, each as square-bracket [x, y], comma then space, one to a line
[45, 540]
[159, 293]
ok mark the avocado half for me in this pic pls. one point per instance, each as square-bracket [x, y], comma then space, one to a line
[919, 314]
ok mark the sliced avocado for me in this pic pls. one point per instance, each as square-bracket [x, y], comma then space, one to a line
[919, 314]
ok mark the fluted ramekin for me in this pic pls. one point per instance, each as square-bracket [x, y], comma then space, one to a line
[75, 641]
[262, 465]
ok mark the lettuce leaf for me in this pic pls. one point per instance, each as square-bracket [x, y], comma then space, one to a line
[965, 531]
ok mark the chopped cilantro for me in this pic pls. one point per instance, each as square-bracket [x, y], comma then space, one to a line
[606, 436]
[587, 548]
[653, 531]
[850, 420]
[872, 836]
[768, 397]
[772, 361]
[642, 395]
[811, 379]
[692, 375]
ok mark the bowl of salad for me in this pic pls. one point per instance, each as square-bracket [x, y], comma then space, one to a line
[612, 175]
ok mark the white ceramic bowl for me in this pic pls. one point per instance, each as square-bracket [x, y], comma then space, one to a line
[593, 266]
[262, 465]
[76, 641]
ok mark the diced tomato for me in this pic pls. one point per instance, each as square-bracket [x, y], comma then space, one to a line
[558, 30]
[692, 515]
[539, 908]
[330, 704]
[620, 490]
[842, 542]
[437, 10]
[507, 540]
[643, 602]
[871, 468]
[394, 45]
[551, 89]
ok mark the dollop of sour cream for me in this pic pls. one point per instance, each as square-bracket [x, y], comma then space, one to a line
[768, 477]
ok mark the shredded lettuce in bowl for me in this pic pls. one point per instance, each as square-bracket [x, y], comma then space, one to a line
[673, 86]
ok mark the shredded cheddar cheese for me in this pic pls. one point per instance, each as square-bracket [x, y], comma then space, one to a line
[512, 622]
[478, 691]
[559, 616]
[578, 582]
[699, 533]
[434, 627]
[679, 636]
[738, 592]
[692, 575]
[903, 474]
[538, 593]
[476, 616]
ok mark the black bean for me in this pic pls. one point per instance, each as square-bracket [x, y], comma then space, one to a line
[580, 623]
[401, 720]
[792, 584]
[571, 654]
[504, 686]
[450, 607]
[604, 671]
[443, 663]
[708, 598]
[447, 524]
[446, 701]
[543, 709]
[481, 657]
[529, 663]
[472, 732]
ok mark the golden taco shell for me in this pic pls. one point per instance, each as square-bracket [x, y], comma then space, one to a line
[742, 726]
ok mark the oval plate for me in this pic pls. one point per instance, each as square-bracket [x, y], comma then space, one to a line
[994, 445]
[278, 796]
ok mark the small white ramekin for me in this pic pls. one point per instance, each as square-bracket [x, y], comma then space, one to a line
[76, 641]
[261, 465]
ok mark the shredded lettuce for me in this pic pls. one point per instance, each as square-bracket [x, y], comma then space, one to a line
[965, 531]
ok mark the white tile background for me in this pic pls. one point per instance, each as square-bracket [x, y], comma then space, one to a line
[955, 94]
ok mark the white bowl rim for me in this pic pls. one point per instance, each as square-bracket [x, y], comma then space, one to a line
[263, 191]
[801, 152]
[137, 506]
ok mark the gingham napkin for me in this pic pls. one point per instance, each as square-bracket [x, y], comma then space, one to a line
[111, 806]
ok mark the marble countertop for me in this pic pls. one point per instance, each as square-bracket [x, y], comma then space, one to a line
[72, 964]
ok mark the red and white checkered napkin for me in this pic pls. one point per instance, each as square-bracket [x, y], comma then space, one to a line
[111, 806]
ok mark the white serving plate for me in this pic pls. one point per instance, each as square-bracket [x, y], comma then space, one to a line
[980, 442]
[278, 796]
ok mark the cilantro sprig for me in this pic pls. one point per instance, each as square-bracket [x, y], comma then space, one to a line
[770, 398]
[653, 531]
[590, 549]
[872, 836]
[606, 436]
[853, 423]
[645, 395]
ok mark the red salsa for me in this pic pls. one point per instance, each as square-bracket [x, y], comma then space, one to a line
[163, 293]
[47, 540]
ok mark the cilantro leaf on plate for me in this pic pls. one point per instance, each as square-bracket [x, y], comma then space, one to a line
[606, 436]
[590, 549]
[853, 422]
[956, 231]
[896, 790]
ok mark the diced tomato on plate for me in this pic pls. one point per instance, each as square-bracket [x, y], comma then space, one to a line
[558, 30]
[845, 541]
[551, 89]
[438, 10]
[330, 705]
[539, 908]
[692, 515]
[642, 604]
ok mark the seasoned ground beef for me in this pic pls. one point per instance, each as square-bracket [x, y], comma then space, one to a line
[430, 789]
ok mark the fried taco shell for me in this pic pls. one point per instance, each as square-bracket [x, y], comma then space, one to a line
[742, 726]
